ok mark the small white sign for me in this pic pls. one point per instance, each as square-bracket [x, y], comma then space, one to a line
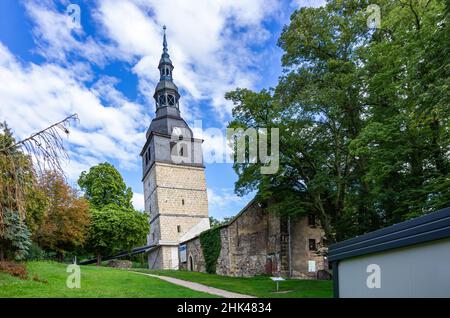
[312, 266]
[277, 279]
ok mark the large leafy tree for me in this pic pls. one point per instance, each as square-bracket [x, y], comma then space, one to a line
[114, 229]
[104, 185]
[66, 218]
[406, 135]
[363, 116]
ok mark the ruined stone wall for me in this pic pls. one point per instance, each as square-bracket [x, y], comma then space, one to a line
[224, 261]
[245, 244]
[194, 254]
[257, 242]
[301, 233]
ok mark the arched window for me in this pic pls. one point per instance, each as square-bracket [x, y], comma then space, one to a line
[165, 71]
[191, 263]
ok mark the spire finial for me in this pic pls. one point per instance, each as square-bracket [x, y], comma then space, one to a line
[164, 40]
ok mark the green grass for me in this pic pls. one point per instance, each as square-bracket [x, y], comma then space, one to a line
[95, 282]
[260, 286]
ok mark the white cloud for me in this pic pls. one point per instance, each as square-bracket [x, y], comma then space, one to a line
[56, 39]
[209, 43]
[308, 3]
[209, 54]
[35, 96]
[138, 201]
[222, 197]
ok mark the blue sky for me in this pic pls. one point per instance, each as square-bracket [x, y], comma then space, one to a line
[106, 71]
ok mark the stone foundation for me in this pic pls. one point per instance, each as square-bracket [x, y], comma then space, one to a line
[120, 263]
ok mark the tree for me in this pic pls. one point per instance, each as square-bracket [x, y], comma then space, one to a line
[115, 229]
[406, 135]
[363, 116]
[103, 185]
[215, 222]
[15, 239]
[20, 205]
[66, 218]
[16, 179]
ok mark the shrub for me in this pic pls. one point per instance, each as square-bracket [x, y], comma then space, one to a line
[211, 246]
[35, 253]
[14, 269]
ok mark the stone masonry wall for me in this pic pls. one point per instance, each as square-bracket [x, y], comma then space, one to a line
[194, 253]
[181, 198]
[177, 201]
[301, 234]
[257, 242]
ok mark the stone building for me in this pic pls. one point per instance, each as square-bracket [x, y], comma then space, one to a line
[173, 175]
[256, 242]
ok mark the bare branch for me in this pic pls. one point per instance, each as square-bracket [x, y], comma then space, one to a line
[17, 173]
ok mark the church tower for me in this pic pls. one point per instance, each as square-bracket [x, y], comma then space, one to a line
[173, 174]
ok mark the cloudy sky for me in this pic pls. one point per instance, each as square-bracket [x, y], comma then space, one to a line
[105, 70]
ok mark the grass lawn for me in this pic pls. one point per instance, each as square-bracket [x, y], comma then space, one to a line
[261, 286]
[95, 282]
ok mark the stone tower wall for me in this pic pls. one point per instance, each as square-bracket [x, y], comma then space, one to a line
[177, 200]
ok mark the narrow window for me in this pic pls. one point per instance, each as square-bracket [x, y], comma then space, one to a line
[178, 228]
[162, 100]
[312, 244]
[173, 148]
[170, 100]
[311, 220]
[182, 201]
[183, 151]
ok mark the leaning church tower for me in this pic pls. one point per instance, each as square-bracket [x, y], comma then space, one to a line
[173, 175]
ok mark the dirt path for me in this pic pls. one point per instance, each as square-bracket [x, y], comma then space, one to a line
[199, 287]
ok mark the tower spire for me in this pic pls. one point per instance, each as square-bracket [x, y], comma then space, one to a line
[165, 51]
[166, 92]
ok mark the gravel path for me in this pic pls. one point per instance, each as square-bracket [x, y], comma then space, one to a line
[199, 287]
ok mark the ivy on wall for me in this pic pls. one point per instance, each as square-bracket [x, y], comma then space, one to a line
[211, 246]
